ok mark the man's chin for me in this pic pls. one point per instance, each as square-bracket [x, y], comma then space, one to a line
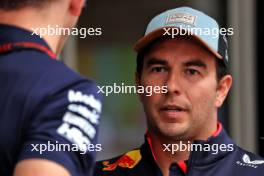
[175, 131]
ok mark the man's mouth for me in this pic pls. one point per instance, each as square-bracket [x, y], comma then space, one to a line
[173, 108]
[173, 111]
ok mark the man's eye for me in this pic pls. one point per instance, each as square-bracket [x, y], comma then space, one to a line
[192, 72]
[157, 69]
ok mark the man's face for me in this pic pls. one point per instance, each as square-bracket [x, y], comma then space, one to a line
[189, 107]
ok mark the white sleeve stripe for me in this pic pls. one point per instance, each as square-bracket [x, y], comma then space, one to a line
[77, 96]
[85, 112]
[80, 122]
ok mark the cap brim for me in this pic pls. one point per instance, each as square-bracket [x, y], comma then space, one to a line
[158, 33]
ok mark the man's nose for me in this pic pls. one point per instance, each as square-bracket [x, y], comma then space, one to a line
[173, 83]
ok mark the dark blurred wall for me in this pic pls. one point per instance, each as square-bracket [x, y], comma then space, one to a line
[260, 65]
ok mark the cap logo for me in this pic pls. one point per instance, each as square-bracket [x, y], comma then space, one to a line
[181, 18]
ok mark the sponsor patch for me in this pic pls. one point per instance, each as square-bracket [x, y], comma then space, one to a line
[181, 18]
[128, 160]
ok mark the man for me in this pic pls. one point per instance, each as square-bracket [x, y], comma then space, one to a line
[48, 114]
[184, 136]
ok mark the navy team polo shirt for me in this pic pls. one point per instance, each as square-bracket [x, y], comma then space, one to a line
[44, 103]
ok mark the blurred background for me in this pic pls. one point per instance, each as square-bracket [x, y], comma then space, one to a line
[110, 58]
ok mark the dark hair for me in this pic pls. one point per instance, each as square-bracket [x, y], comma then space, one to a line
[18, 4]
[221, 68]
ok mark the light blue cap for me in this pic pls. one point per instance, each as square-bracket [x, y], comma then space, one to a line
[186, 21]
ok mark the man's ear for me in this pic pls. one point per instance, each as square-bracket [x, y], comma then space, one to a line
[76, 7]
[223, 88]
[138, 83]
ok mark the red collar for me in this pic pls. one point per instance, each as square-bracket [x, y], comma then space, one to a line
[8, 47]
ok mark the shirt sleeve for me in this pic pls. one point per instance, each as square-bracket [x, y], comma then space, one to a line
[64, 128]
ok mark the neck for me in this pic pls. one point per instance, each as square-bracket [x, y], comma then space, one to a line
[31, 21]
[164, 157]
